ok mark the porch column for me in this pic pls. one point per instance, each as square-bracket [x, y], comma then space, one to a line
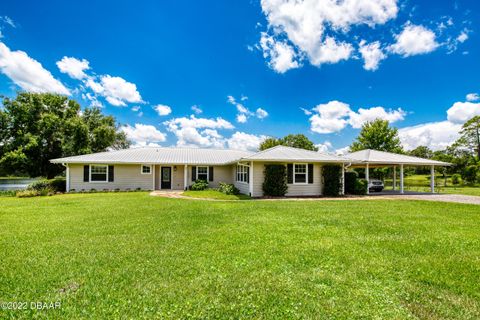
[394, 177]
[367, 177]
[250, 179]
[343, 178]
[401, 178]
[432, 179]
[153, 177]
[67, 178]
[185, 174]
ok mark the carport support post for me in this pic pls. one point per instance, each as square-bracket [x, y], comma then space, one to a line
[401, 178]
[250, 179]
[185, 173]
[343, 179]
[432, 179]
[394, 177]
[367, 177]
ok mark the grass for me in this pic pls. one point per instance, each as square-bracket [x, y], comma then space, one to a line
[214, 194]
[422, 183]
[130, 255]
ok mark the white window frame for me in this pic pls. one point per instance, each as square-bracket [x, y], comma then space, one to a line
[306, 173]
[208, 172]
[145, 165]
[90, 173]
[242, 173]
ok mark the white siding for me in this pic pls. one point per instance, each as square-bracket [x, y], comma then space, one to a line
[220, 174]
[314, 189]
[177, 176]
[126, 176]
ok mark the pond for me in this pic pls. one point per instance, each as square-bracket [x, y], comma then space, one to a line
[15, 183]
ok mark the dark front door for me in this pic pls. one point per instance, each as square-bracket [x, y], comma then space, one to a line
[166, 178]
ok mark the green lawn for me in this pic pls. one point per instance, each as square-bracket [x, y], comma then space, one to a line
[131, 255]
[422, 183]
[214, 194]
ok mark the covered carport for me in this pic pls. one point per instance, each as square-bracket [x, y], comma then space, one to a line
[375, 159]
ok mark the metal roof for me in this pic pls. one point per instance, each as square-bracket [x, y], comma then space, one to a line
[160, 155]
[282, 153]
[381, 157]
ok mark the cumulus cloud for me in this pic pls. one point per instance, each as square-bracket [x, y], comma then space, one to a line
[460, 112]
[118, 91]
[414, 40]
[334, 116]
[306, 29]
[73, 67]
[162, 110]
[143, 135]
[372, 54]
[472, 97]
[245, 141]
[193, 131]
[324, 147]
[243, 112]
[27, 72]
[435, 135]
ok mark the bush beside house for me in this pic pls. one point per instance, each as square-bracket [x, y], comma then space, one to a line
[275, 181]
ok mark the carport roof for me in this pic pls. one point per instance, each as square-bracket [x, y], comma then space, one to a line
[389, 158]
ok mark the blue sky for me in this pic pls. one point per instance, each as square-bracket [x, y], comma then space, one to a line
[251, 66]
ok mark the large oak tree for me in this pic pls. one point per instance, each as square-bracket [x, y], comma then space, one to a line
[37, 127]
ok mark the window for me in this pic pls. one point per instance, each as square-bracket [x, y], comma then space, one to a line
[98, 173]
[300, 173]
[241, 174]
[202, 173]
[146, 169]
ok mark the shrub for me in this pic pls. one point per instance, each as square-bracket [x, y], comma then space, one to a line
[361, 186]
[275, 181]
[332, 180]
[350, 182]
[8, 193]
[199, 185]
[28, 193]
[469, 174]
[228, 188]
[456, 179]
[53, 185]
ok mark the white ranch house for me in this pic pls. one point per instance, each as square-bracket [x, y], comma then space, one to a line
[158, 168]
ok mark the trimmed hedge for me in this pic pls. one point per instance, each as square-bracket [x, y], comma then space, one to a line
[275, 181]
[361, 186]
[350, 181]
[332, 180]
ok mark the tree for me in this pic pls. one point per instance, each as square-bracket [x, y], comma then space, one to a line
[291, 140]
[470, 136]
[377, 135]
[421, 152]
[37, 127]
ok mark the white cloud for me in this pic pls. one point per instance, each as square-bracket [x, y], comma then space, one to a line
[241, 118]
[243, 112]
[245, 141]
[357, 119]
[281, 55]
[414, 40]
[136, 108]
[118, 91]
[73, 67]
[143, 134]
[324, 147]
[305, 24]
[372, 54]
[196, 109]
[435, 135]
[462, 37]
[460, 112]
[200, 132]
[335, 115]
[260, 113]
[342, 151]
[473, 97]
[162, 110]
[306, 111]
[28, 73]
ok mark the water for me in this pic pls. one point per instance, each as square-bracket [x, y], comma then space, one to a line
[14, 184]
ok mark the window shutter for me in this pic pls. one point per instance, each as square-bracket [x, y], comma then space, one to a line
[210, 173]
[110, 173]
[290, 173]
[248, 174]
[194, 173]
[310, 173]
[86, 173]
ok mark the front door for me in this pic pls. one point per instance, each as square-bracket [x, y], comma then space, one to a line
[166, 178]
